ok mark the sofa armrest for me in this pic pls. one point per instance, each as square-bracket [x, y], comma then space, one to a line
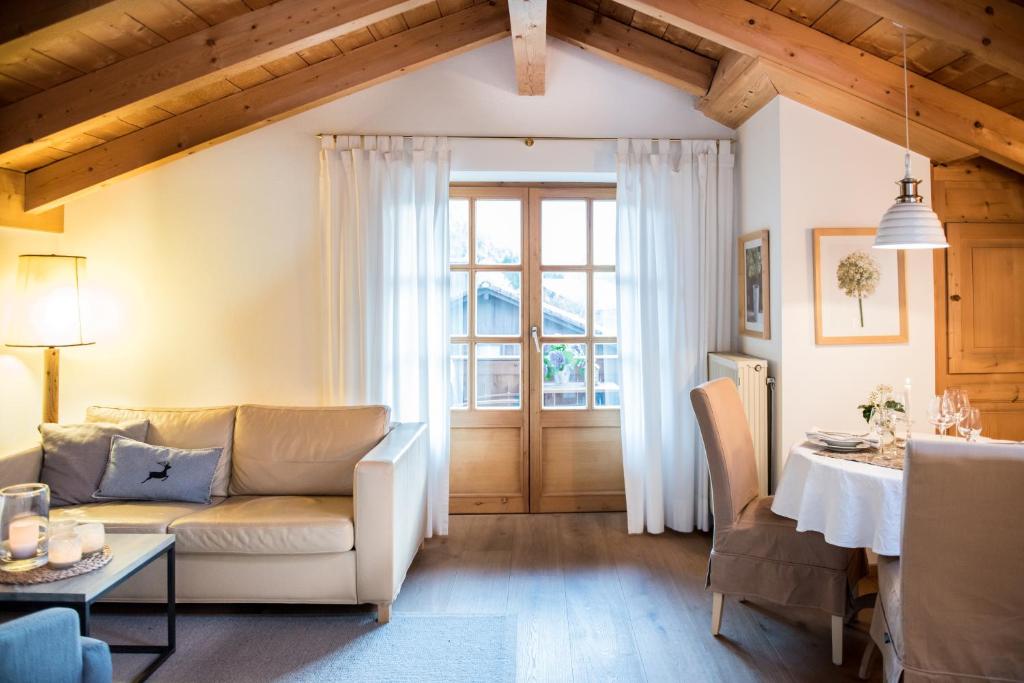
[390, 511]
[22, 467]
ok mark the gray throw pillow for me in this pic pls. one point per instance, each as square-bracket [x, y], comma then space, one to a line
[75, 456]
[139, 471]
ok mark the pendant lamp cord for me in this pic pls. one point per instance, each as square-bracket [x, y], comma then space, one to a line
[906, 106]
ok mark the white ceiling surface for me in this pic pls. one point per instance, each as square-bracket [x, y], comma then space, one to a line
[474, 94]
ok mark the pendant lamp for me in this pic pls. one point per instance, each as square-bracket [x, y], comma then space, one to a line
[909, 223]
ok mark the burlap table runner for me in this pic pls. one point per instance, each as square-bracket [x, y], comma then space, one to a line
[893, 458]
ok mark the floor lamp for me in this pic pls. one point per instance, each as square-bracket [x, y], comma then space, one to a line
[48, 313]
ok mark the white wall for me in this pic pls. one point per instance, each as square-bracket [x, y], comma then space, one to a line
[828, 174]
[205, 269]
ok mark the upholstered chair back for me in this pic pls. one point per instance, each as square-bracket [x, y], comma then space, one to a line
[962, 567]
[730, 448]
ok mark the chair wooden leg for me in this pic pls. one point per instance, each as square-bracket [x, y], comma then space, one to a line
[865, 661]
[383, 612]
[837, 640]
[717, 603]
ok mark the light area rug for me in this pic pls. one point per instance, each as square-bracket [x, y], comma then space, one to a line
[268, 647]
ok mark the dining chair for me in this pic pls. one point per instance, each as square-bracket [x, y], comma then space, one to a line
[754, 552]
[951, 607]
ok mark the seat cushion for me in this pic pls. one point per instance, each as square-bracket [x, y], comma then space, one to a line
[764, 555]
[132, 517]
[302, 451]
[759, 532]
[182, 428]
[269, 525]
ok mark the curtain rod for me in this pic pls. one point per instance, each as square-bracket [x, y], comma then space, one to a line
[527, 139]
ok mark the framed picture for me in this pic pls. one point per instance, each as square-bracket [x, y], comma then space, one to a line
[860, 293]
[754, 276]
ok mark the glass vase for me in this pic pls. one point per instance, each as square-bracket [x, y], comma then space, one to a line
[24, 522]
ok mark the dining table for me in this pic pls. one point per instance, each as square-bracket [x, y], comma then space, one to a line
[854, 504]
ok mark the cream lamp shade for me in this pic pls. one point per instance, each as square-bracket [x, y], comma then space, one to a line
[910, 223]
[48, 302]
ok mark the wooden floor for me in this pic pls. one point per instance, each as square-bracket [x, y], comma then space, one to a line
[595, 604]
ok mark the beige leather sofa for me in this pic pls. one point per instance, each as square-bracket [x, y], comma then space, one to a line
[311, 505]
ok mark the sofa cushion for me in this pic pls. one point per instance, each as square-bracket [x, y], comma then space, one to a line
[269, 525]
[131, 517]
[141, 471]
[182, 428]
[302, 451]
[75, 456]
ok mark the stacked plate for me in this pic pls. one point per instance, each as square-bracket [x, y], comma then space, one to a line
[842, 442]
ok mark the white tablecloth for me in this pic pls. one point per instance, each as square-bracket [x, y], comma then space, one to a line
[853, 504]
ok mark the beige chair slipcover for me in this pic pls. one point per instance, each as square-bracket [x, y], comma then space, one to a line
[756, 553]
[951, 608]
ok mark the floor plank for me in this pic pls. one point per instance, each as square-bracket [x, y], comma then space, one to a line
[593, 603]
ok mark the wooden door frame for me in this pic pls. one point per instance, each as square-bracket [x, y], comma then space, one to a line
[539, 501]
[471, 417]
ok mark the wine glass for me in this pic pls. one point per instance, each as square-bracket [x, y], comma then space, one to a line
[940, 413]
[959, 403]
[970, 425]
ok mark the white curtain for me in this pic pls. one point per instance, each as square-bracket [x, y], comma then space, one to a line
[675, 284]
[384, 230]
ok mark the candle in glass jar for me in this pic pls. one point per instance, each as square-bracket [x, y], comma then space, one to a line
[92, 536]
[65, 550]
[23, 537]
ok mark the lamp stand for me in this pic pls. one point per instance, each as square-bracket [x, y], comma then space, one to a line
[51, 381]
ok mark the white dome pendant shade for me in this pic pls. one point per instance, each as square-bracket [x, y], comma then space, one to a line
[909, 223]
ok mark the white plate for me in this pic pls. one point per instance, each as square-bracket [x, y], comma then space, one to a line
[862, 446]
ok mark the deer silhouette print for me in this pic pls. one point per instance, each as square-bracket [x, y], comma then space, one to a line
[161, 474]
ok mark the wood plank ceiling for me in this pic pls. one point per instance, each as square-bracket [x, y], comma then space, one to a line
[66, 61]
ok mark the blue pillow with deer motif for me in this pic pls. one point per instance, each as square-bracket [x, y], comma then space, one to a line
[140, 471]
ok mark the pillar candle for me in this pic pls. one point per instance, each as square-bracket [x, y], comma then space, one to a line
[23, 537]
[92, 536]
[65, 550]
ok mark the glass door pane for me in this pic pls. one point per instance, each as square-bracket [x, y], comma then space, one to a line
[565, 303]
[563, 232]
[498, 375]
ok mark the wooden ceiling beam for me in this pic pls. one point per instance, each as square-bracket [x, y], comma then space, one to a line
[758, 32]
[12, 206]
[991, 30]
[529, 43]
[192, 61]
[845, 106]
[25, 23]
[740, 88]
[630, 47]
[270, 101]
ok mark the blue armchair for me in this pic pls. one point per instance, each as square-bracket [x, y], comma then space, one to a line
[45, 647]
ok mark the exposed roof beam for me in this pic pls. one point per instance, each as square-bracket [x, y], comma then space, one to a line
[991, 30]
[24, 23]
[529, 43]
[758, 32]
[12, 206]
[630, 47]
[267, 102]
[740, 88]
[181, 65]
[845, 106]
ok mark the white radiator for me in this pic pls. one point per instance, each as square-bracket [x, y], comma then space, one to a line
[751, 377]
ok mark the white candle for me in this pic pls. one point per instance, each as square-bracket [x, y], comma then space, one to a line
[65, 550]
[92, 536]
[23, 537]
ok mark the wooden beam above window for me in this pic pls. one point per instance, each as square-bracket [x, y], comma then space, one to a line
[98, 98]
[268, 102]
[529, 43]
[631, 47]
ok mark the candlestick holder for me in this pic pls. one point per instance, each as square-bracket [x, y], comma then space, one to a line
[24, 522]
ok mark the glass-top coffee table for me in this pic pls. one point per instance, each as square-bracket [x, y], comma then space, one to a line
[130, 554]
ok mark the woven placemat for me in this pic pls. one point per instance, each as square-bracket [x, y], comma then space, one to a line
[46, 574]
[893, 459]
